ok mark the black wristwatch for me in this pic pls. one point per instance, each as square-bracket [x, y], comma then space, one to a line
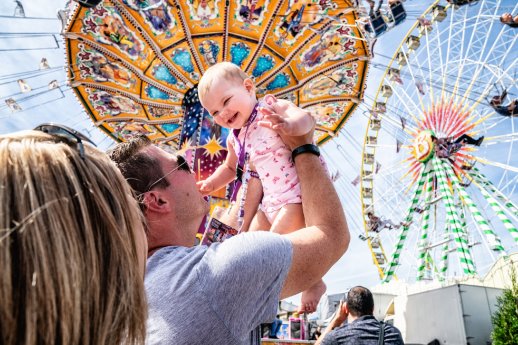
[308, 148]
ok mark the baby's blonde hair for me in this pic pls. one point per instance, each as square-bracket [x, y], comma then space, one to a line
[68, 252]
[226, 70]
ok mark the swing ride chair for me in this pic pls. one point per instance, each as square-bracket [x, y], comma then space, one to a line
[453, 212]
[382, 21]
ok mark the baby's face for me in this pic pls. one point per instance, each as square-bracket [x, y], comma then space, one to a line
[230, 102]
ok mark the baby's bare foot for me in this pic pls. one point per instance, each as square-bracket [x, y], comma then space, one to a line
[311, 297]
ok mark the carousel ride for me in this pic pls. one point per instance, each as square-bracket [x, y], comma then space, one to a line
[135, 65]
[442, 126]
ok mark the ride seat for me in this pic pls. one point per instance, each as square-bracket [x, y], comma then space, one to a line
[380, 107]
[461, 2]
[386, 91]
[375, 124]
[401, 59]
[380, 258]
[397, 12]
[439, 13]
[376, 25]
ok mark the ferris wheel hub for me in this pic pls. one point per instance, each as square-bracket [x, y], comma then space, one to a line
[424, 146]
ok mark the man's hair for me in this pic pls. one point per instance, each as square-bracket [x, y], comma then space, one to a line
[140, 170]
[360, 301]
[68, 247]
[222, 70]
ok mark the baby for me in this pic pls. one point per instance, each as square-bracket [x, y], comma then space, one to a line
[228, 94]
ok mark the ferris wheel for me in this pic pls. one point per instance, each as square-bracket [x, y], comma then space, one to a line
[439, 164]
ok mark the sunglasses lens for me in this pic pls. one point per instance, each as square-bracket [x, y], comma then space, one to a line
[183, 165]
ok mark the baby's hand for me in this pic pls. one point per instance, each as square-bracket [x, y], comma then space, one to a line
[285, 117]
[205, 187]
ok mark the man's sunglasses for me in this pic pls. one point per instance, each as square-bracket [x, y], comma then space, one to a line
[67, 133]
[181, 165]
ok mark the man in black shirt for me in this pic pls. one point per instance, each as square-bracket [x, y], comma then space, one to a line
[361, 327]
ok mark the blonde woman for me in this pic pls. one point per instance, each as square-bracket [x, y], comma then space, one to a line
[72, 244]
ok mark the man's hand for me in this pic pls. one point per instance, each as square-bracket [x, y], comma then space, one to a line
[341, 315]
[294, 125]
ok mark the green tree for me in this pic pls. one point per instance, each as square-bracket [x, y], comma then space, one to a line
[505, 319]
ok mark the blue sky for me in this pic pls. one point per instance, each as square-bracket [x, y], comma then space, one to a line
[24, 42]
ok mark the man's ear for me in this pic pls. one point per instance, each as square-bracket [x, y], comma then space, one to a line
[249, 85]
[345, 308]
[155, 202]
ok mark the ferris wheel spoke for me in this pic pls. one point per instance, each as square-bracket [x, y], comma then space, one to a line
[461, 53]
[448, 49]
[480, 221]
[494, 121]
[405, 101]
[496, 164]
[499, 139]
[416, 81]
[480, 67]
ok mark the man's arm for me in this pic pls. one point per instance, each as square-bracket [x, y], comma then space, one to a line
[326, 238]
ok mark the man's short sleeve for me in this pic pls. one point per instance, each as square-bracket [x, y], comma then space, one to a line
[329, 339]
[243, 276]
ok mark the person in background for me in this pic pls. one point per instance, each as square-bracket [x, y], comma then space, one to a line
[72, 244]
[361, 327]
[508, 19]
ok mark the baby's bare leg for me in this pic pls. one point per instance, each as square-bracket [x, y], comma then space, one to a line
[260, 222]
[291, 218]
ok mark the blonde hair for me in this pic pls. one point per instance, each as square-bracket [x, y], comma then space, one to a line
[68, 253]
[226, 70]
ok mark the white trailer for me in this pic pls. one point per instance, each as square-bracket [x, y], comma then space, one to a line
[456, 314]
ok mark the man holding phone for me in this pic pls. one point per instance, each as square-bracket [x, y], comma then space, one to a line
[361, 327]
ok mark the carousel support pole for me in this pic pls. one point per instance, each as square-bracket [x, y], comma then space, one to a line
[481, 222]
[485, 183]
[444, 257]
[495, 206]
[461, 239]
[423, 244]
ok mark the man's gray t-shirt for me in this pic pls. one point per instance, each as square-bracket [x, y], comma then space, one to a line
[218, 294]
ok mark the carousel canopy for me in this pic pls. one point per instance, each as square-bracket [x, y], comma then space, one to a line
[135, 65]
